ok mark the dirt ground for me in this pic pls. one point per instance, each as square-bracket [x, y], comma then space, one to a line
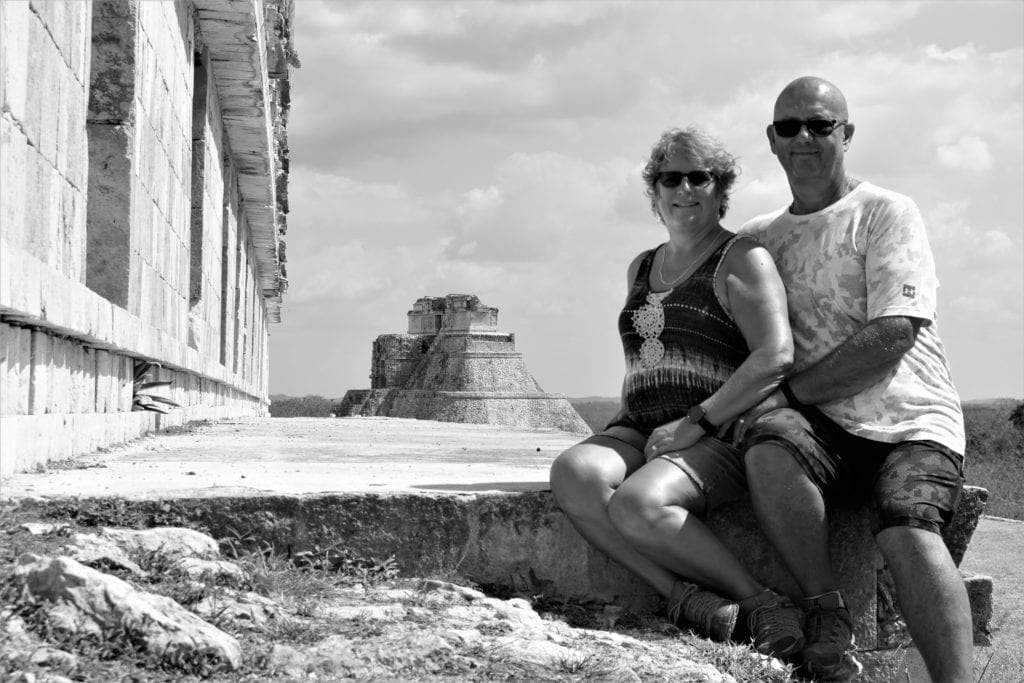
[997, 550]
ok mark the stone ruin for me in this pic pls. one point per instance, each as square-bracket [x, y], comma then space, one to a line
[454, 365]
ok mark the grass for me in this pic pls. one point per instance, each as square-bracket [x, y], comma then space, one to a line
[304, 587]
[995, 457]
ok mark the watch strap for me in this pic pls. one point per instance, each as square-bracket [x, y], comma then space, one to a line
[697, 416]
[791, 398]
[706, 425]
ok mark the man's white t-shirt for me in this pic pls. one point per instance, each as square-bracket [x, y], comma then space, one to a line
[867, 256]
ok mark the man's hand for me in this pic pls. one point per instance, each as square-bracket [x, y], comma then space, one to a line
[672, 436]
[774, 401]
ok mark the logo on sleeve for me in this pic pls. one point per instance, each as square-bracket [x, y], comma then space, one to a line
[909, 291]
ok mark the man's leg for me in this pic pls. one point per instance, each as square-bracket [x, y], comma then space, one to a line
[916, 491]
[932, 599]
[791, 512]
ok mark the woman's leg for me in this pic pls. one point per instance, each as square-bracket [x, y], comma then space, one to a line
[583, 480]
[655, 511]
[652, 512]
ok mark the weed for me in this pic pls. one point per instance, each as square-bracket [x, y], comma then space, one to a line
[143, 397]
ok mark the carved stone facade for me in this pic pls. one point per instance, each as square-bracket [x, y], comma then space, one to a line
[454, 366]
[143, 186]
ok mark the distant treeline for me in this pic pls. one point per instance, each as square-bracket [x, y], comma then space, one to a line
[305, 406]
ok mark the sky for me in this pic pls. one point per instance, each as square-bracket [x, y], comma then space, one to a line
[495, 149]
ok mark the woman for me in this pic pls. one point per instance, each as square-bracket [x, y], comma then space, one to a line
[706, 337]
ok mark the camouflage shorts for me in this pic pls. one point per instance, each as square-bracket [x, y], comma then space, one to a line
[913, 483]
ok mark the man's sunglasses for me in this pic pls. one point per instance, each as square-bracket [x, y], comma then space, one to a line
[819, 128]
[694, 178]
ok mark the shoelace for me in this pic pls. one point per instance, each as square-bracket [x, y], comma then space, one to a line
[768, 616]
[700, 606]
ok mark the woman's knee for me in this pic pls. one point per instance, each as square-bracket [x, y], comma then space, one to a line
[576, 475]
[630, 511]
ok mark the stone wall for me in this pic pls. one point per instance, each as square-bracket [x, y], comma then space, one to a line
[141, 217]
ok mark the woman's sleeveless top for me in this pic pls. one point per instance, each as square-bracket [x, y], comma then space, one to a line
[681, 345]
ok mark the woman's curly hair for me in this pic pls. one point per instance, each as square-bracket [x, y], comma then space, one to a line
[702, 148]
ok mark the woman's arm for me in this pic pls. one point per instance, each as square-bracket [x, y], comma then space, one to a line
[754, 294]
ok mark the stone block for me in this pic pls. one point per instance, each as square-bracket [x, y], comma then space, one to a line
[15, 16]
[64, 93]
[957, 534]
[126, 376]
[61, 387]
[50, 111]
[40, 378]
[104, 385]
[75, 376]
[15, 369]
[87, 397]
[12, 182]
[20, 277]
[50, 204]
[102, 329]
[39, 69]
[979, 593]
[37, 188]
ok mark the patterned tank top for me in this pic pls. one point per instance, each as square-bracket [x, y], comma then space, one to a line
[681, 345]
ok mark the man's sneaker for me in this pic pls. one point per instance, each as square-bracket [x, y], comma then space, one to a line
[701, 611]
[828, 653]
[776, 625]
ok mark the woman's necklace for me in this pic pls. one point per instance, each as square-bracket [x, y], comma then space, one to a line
[694, 264]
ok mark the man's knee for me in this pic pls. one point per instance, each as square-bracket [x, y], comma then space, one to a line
[918, 487]
[768, 460]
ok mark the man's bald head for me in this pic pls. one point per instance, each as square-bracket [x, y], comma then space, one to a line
[811, 89]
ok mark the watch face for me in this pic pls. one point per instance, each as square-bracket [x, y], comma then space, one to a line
[696, 414]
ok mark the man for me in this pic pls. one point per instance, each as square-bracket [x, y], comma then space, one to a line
[870, 412]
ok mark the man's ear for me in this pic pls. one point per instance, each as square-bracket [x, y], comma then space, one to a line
[770, 132]
[848, 135]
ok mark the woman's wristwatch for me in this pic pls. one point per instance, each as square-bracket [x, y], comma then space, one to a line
[698, 416]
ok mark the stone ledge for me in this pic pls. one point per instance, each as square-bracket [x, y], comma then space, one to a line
[519, 541]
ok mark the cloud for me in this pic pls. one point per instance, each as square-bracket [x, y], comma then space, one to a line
[543, 207]
[855, 20]
[968, 154]
[957, 54]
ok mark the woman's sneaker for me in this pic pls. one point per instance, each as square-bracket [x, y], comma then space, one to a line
[776, 625]
[828, 654]
[701, 611]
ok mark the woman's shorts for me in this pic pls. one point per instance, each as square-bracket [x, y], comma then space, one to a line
[912, 483]
[714, 466]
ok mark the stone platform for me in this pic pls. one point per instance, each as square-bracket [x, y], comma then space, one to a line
[439, 497]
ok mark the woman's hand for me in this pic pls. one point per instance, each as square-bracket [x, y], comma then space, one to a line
[672, 436]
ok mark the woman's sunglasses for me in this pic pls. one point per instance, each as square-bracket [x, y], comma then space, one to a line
[694, 178]
[819, 128]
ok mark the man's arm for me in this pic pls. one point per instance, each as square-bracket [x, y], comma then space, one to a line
[853, 366]
[859, 362]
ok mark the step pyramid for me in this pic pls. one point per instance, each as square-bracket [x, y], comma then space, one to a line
[454, 365]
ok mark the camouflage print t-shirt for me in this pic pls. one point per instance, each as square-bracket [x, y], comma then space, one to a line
[867, 256]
